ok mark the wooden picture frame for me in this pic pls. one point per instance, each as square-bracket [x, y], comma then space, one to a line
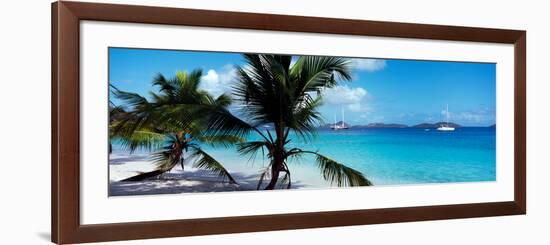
[65, 181]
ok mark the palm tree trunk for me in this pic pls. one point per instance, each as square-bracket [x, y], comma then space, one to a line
[275, 170]
[175, 159]
[277, 164]
[146, 175]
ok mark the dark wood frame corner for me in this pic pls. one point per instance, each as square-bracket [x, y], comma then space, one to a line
[66, 227]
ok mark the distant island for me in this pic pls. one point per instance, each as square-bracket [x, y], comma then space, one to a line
[436, 125]
[381, 125]
[397, 125]
[328, 125]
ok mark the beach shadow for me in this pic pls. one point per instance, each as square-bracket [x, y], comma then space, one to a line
[196, 181]
[119, 160]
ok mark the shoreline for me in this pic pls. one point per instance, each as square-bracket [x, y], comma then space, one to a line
[385, 157]
[194, 180]
[190, 180]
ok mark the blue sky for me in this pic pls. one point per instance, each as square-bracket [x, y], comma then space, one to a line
[387, 91]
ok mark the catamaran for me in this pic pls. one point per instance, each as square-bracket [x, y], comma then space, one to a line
[335, 126]
[446, 127]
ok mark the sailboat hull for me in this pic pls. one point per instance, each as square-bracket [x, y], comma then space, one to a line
[339, 127]
[446, 127]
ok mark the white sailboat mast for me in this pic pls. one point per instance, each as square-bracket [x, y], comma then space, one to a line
[446, 126]
[447, 112]
[343, 117]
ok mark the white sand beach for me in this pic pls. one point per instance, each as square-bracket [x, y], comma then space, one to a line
[122, 166]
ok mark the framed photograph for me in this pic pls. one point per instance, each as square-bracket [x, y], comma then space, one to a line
[177, 122]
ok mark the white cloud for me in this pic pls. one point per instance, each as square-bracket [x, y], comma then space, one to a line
[472, 117]
[476, 117]
[353, 99]
[344, 95]
[218, 82]
[370, 65]
[210, 79]
[355, 107]
[480, 116]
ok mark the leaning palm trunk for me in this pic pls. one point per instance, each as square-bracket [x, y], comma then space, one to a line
[175, 156]
[172, 155]
[173, 123]
[146, 175]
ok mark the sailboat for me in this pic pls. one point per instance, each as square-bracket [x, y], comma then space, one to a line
[446, 127]
[335, 126]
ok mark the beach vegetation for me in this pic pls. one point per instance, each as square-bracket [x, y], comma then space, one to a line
[161, 124]
[278, 97]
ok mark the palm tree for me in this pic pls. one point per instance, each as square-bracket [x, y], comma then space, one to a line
[287, 96]
[116, 113]
[274, 92]
[158, 124]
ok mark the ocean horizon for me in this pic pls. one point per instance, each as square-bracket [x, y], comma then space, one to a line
[386, 156]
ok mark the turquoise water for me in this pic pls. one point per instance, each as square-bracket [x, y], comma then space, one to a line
[392, 156]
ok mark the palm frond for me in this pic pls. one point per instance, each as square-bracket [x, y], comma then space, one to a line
[260, 88]
[168, 156]
[165, 85]
[286, 181]
[188, 88]
[252, 147]
[315, 72]
[212, 119]
[162, 159]
[141, 113]
[142, 139]
[207, 162]
[116, 111]
[131, 99]
[307, 118]
[220, 140]
[266, 173]
[221, 121]
[338, 173]
[273, 92]
[224, 100]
